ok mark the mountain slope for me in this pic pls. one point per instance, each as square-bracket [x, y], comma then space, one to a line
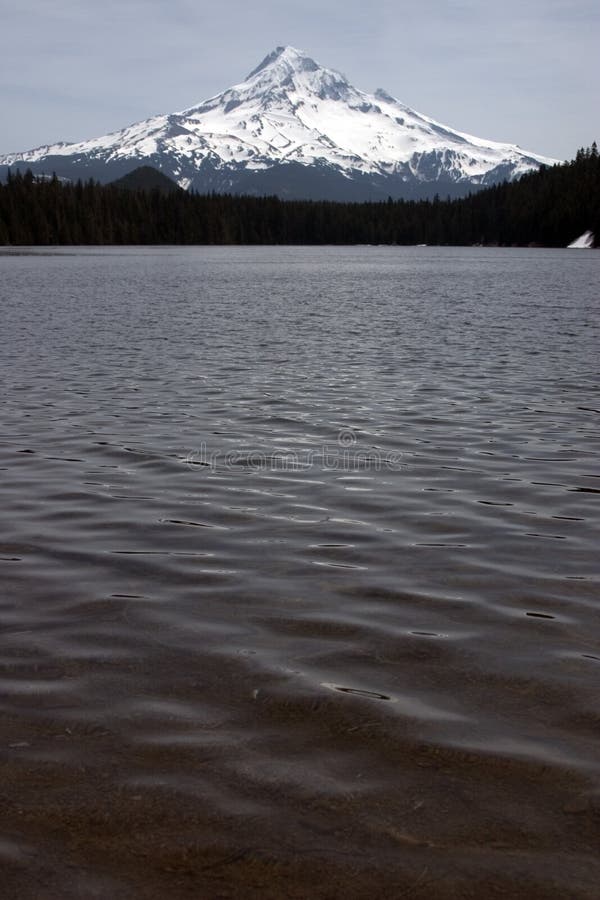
[297, 129]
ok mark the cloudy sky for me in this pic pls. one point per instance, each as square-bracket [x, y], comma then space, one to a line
[523, 71]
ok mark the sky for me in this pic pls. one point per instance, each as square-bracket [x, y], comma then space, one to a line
[520, 71]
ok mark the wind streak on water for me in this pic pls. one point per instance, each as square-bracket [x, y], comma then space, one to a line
[301, 544]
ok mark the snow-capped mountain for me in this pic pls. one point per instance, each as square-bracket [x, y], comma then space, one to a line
[297, 129]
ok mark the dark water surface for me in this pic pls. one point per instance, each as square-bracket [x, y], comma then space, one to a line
[299, 569]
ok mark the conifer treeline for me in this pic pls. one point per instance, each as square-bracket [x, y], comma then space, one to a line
[549, 207]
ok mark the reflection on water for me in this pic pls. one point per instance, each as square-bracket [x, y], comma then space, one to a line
[299, 562]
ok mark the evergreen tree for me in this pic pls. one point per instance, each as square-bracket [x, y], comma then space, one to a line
[549, 207]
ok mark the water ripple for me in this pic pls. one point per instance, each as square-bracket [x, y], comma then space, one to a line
[299, 550]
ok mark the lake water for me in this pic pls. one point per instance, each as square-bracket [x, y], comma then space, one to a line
[300, 572]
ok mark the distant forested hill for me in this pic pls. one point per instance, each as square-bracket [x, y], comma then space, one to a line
[550, 208]
[145, 178]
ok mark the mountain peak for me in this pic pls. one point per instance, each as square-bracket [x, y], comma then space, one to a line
[285, 57]
[288, 68]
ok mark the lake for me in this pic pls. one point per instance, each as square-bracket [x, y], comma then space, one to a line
[300, 572]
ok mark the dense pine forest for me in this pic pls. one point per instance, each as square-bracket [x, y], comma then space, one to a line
[550, 208]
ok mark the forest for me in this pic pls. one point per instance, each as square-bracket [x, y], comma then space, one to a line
[548, 208]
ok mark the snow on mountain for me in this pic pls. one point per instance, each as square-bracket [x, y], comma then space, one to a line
[295, 128]
[584, 242]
